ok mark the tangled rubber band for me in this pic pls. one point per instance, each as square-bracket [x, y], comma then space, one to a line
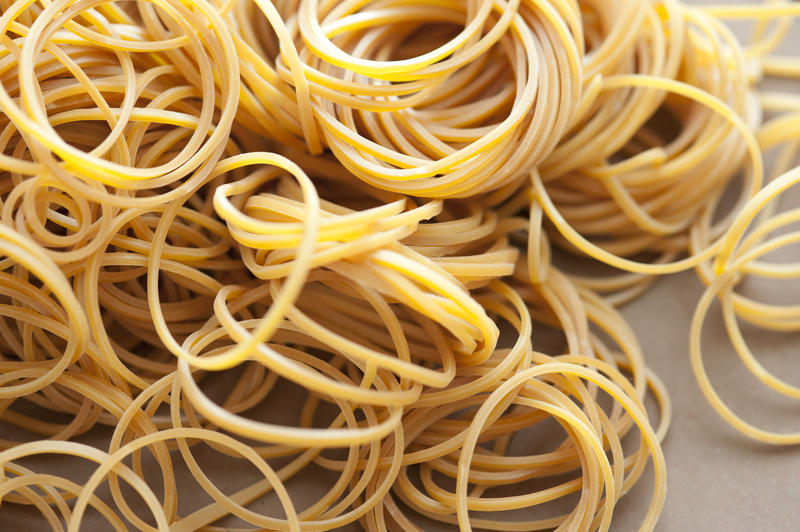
[330, 246]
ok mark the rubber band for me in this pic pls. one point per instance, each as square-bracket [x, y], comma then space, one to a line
[366, 203]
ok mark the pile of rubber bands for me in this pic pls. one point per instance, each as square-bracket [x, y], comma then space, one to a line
[323, 243]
